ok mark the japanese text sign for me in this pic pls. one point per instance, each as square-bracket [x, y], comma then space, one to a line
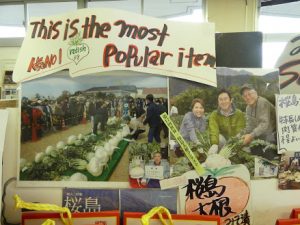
[154, 172]
[289, 67]
[226, 195]
[97, 40]
[288, 122]
[90, 200]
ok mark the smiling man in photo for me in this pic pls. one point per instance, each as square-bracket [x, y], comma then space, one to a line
[260, 116]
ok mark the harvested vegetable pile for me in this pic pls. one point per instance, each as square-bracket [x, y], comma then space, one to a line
[143, 150]
[83, 156]
[232, 153]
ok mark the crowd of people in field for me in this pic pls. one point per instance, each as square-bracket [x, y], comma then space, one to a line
[42, 116]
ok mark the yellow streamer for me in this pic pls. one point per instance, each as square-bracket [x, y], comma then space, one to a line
[20, 204]
[185, 147]
[49, 222]
[159, 210]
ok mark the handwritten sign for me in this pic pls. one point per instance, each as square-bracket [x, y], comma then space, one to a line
[154, 172]
[96, 40]
[288, 122]
[185, 147]
[226, 195]
[289, 67]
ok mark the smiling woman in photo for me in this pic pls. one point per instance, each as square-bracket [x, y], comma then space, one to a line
[193, 121]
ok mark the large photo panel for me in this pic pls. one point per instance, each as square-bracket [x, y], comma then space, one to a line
[234, 122]
[81, 129]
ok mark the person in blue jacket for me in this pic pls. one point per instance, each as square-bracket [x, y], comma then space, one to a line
[157, 161]
[153, 119]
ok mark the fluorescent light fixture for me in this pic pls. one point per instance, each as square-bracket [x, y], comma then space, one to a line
[195, 17]
[11, 31]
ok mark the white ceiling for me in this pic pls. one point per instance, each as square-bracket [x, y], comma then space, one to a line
[13, 15]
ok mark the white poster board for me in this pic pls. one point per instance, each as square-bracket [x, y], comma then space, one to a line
[154, 172]
[289, 67]
[226, 193]
[3, 123]
[96, 40]
[288, 122]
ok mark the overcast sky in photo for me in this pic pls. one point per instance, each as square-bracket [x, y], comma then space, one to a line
[53, 85]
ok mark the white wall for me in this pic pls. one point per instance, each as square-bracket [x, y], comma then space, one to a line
[239, 16]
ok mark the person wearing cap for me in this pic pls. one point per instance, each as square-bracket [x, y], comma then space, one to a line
[153, 119]
[225, 122]
[260, 117]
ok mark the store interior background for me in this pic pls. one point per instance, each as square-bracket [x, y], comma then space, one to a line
[278, 23]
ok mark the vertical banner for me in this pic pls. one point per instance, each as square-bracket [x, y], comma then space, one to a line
[289, 67]
[288, 122]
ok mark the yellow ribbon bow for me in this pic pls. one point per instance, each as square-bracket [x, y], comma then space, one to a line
[20, 204]
[159, 210]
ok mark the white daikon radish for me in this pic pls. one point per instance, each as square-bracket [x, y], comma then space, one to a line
[80, 137]
[95, 167]
[78, 177]
[102, 155]
[136, 172]
[39, 157]
[89, 156]
[71, 139]
[60, 145]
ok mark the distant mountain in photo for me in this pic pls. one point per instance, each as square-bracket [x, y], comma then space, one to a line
[227, 77]
[177, 86]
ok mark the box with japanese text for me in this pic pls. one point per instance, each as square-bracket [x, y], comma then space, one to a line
[295, 213]
[135, 219]
[90, 200]
[287, 221]
[143, 200]
[95, 218]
